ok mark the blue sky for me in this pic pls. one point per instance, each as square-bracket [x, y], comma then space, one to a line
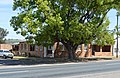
[6, 13]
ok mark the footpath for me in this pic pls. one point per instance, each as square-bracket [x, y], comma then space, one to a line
[31, 62]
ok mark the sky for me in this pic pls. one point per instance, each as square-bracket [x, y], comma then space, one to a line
[6, 14]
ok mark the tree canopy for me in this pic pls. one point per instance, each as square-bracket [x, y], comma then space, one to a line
[3, 33]
[72, 22]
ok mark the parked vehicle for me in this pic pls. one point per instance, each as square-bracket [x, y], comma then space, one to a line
[6, 54]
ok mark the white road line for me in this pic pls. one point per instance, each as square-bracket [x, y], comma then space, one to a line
[113, 64]
[88, 75]
[23, 66]
[13, 72]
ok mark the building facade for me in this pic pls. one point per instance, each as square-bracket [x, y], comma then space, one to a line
[58, 50]
[6, 46]
[115, 47]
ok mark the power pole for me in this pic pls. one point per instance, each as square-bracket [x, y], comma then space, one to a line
[117, 38]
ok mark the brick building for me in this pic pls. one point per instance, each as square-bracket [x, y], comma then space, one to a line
[25, 49]
[6, 46]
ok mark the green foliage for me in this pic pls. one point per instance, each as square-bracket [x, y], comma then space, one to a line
[71, 22]
[105, 37]
[3, 33]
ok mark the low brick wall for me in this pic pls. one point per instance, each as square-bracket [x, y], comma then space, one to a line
[103, 53]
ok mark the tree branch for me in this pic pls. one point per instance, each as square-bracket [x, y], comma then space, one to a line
[103, 18]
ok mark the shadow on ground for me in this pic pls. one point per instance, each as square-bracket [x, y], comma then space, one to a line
[35, 61]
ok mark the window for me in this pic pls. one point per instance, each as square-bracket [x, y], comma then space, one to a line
[96, 48]
[49, 52]
[6, 51]
[1, 50]
[15, 48]
[36, 48]
[49, 47]
[106, 49]
[32, 48]
[21, 46]
[25, 46]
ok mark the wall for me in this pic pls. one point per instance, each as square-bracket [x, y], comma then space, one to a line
[104, 51]
[115, 46]
[82, 50]
[6, 46]
[103, 54]
[27, 49]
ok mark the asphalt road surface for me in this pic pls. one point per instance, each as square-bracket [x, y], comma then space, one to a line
[108, 69]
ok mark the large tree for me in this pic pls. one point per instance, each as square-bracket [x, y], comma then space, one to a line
[3, 33]
[72, 22]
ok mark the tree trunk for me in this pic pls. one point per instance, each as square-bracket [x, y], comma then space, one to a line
[71, 50]
[56, 50]
[89, 52]
[82, 51]
[71, 53]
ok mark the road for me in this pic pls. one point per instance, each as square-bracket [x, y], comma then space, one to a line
[106, 69]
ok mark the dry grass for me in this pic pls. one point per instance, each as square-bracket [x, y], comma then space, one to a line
[20, 57]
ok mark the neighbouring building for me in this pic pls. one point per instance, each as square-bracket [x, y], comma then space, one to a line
[15, 49]
[25, 49]
[6, 46]
[30, 50]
